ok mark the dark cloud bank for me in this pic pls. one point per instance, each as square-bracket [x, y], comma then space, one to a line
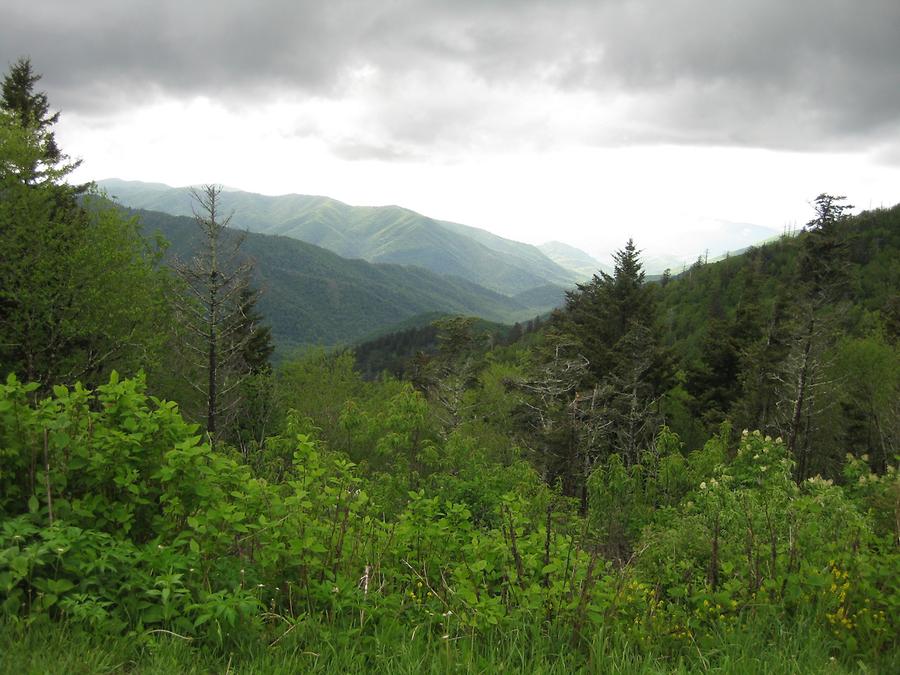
[798, 74]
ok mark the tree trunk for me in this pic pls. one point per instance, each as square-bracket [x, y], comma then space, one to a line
[798, 402]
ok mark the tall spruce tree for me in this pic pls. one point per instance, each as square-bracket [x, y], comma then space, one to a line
[32, 110]
[599, 313]
[614, 408]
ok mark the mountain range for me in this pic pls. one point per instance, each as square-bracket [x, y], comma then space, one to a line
[314, 296]
[377, 234]
[335, 273]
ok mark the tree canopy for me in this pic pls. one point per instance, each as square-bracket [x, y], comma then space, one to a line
[80, 291]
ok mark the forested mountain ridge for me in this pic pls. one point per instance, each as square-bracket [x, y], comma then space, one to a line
[731, 341]
[314, 296]
[388, 234]
[810, 321]
[769, 272]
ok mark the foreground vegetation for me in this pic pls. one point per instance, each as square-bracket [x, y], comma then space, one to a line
[129, 525]
[581, 494]
[760, 649]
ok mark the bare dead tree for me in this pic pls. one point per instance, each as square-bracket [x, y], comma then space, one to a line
[454, 369]
[565, 422]
[591, 426]
[823, 278]
[212, 307]
[556, 379]
[804, 385]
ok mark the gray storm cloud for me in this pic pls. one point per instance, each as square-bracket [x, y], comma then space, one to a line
[803, 74]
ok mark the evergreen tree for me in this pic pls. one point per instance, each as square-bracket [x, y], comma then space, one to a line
[254, 411]
[601, 312]
[714, 381]
[250, 332]
[32, 111]
[824, 256]
[612, 404]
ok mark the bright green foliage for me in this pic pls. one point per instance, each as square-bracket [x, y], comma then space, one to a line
[316, 386]
[117, 517]
[868, 369]
[750, 540]
[100, 491]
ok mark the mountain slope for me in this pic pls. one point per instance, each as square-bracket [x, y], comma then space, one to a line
[381, 234]
[769, 272]
[313, 296]
[573, 259]
[524, 254]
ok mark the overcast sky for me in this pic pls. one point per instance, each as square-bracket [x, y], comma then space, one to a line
[578, 120]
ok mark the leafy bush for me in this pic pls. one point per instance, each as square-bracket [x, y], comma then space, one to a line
[117, 516]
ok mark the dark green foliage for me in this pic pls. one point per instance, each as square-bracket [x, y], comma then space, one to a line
[253, 334]
[783, 312]
[597, 387]
[714, 382]
[823, 259]
[608, 313]
[405, 351]
[392, 352]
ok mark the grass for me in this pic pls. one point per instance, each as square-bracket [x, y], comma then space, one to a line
[58, 648]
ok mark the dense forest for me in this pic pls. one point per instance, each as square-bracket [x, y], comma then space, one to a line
[694, 473]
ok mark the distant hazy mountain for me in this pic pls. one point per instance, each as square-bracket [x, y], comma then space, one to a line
[314, 296]
[680, 250]
[573, 259]
[382, 234]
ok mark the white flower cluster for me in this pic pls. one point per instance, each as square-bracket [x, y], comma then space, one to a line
[712, 483]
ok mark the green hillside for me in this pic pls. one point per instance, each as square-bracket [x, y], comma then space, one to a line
[767, 275]
[380, 234]
[313, 296]
[542, 296]
[744, 333]
[573, 259]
